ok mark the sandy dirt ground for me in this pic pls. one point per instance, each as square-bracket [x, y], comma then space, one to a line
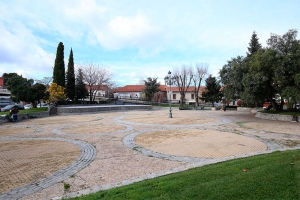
[191, 133]
[23, 162]
[199, 143]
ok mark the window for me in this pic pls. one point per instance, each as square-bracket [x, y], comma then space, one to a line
[174, 96]
[192, 96]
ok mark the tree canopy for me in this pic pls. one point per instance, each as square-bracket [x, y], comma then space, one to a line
[254, 45]
[267, 74]
[56, 93]
[151, 87]
[59, 66]
[24, 90]
[183, 79]
[95, 76]
[212, 92]
[7, 76]
[198, 75]
[70, 85]
[80, 88]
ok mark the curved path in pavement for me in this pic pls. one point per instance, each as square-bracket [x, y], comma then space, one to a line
[88, 153]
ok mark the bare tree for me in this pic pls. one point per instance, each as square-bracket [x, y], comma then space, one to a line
[198, 75]
[45, 81]
[95, 76]
[158, 97]
[183, 79]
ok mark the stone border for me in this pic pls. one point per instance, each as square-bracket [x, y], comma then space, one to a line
[287, 118]
[88, 154]
[88, 109]
[26, 116]
[244, 109]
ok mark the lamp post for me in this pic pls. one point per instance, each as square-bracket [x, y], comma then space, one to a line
[169, 81]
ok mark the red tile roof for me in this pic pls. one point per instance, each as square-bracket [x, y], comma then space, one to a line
[163, 88]
[130, 88]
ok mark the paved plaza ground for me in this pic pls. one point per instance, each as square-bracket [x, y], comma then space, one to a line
[39, 157]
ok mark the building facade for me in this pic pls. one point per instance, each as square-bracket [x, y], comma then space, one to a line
[4, 94]
[136, 92]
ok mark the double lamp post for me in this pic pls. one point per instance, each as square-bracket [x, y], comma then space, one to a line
[169, 80]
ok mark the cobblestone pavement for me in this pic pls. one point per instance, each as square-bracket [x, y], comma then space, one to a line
[92, 152]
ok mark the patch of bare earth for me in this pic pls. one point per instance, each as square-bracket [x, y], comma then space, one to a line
[23, 162]
[61, 119]
[13, 131]
[199, 143]
[160, 117]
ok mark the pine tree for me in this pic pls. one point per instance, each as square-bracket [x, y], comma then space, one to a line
[70, 86]
[59, 66]
[212, 93]
[254, 45]
[80, 87]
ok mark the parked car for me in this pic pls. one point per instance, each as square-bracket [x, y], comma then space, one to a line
[42, 105]
[27, 106]
[6, 108]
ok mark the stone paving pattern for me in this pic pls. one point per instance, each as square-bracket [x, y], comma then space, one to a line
[111, 157]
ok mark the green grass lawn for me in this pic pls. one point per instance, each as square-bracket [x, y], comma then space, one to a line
[272, 176]
[31, 110]
[282, 112]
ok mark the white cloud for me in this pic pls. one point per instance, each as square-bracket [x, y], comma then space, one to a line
[123, 31]
[21, 53]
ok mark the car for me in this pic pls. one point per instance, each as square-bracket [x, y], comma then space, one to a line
[7, 108]
[42, 105]
[27, 106]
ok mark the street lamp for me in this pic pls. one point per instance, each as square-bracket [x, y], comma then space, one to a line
[169, 80]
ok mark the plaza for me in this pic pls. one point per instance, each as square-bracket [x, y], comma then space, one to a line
[102, 150]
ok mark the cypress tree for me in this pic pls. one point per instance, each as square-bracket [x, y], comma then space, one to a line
[70, 86]
[254, 45]
[59, 66]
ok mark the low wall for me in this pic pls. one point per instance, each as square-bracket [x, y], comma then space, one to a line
[26, 116]
[86, 109]
[278, 117]
[244, 109]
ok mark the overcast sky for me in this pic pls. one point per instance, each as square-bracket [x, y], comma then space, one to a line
[136, 39]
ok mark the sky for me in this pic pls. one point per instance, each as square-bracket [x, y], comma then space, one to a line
[136, 39]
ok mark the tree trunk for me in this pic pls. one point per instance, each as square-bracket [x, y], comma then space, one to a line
[275, 106]
[281, 103]
[181, 99]
[91, 94]
[197, 99]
